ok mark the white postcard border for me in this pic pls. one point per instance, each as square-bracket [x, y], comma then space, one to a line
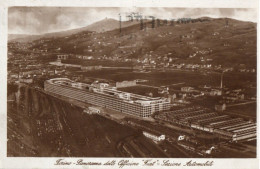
[28, 162]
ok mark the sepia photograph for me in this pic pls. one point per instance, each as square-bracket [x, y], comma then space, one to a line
[137, 82]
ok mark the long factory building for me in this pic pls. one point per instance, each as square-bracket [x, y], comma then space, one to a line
[235, 129]
[101, 94]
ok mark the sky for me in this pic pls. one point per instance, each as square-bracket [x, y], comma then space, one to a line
[40, 20]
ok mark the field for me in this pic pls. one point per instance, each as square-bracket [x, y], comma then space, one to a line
[173, 78]
[98, 62]
[158, 78]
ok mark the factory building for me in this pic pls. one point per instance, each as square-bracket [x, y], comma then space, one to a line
[102, 95]
[241, 132]
[154, 137]
[234, 129]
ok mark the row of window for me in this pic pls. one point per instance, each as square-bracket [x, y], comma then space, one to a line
[100, 100]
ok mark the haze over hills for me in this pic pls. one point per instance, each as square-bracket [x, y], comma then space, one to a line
[227, 42]
[17, 36]
[106, 24]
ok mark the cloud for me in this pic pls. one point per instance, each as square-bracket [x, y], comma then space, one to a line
[38, 20]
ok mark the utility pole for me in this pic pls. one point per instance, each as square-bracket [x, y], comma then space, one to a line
[158, 22]
[141, 23]
[153, 22]
[145, 23]
[221, 82]
[120, 23]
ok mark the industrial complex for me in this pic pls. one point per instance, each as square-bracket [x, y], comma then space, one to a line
[101, 94]
[108, 97]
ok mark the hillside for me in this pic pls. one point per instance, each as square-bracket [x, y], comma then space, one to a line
[211, 41]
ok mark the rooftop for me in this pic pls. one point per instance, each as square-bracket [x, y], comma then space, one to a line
[104, 88]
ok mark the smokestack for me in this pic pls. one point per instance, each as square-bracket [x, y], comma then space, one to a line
[221, 82]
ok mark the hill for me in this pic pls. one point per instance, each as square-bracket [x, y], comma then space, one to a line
[226, 42]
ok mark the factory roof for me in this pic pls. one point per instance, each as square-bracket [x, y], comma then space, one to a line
[104, 88]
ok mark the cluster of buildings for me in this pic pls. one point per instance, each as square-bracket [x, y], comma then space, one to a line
[30, 75]
[188, 92]
[234, 95]
[226, 94]
[94, 56]
[101, 94]
[23, 68]
[29, 68]
[144, 64]
[19, 45]
[233, 129]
